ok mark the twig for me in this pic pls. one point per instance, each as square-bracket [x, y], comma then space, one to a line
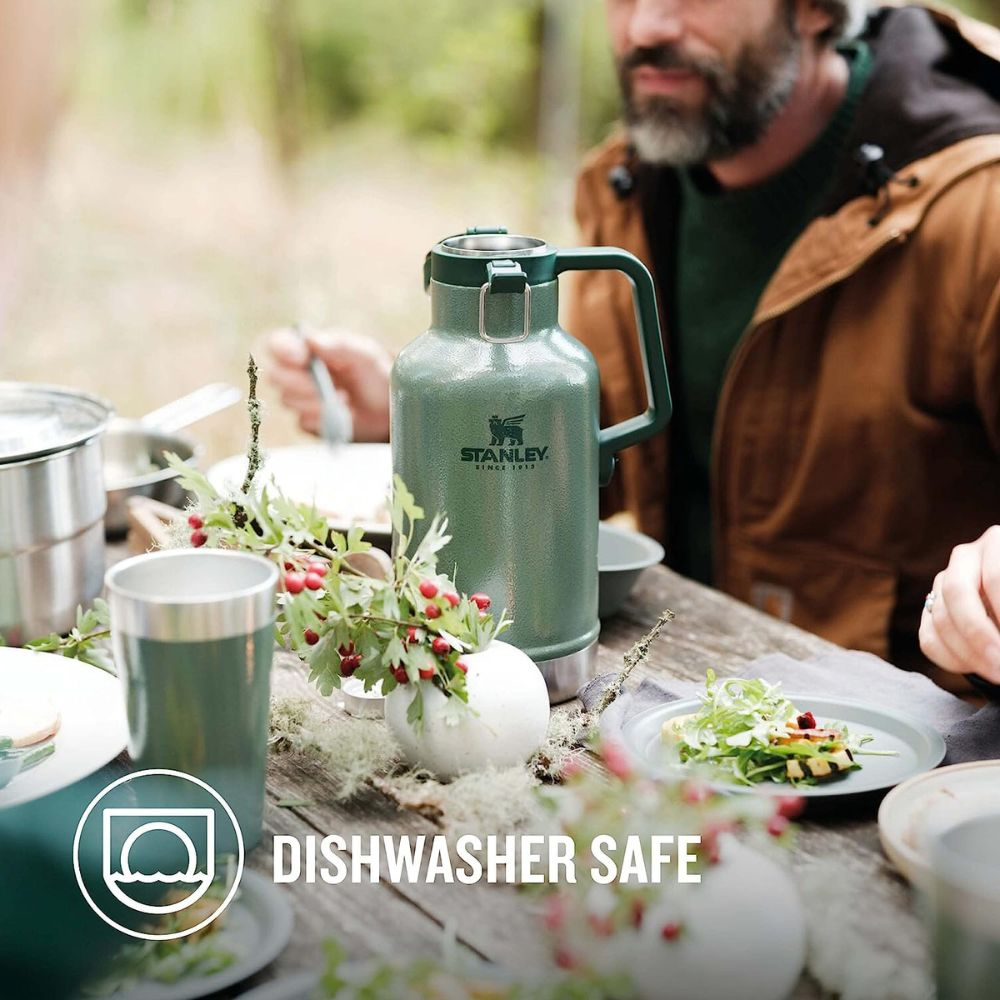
[253, 449]
[636, 655]
[253, 408]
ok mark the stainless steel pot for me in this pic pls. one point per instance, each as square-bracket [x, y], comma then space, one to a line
[52, 504]
[134, 462]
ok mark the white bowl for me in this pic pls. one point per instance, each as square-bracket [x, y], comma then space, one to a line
[622, 555]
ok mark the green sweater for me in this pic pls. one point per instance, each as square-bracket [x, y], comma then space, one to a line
[729, 244]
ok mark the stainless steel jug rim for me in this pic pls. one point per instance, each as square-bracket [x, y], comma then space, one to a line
[498, 245]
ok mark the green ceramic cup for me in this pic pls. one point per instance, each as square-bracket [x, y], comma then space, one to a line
[193, 643]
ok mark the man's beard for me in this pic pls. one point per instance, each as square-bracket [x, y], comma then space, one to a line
[741, 101]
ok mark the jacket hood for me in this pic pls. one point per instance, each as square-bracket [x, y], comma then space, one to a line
[935, 82]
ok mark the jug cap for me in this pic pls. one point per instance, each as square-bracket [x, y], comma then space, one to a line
[490, 256]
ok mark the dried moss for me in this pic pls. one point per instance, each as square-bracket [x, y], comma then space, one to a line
[353, 751]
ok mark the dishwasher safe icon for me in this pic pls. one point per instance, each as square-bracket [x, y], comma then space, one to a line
[196, 873]
[131, 847]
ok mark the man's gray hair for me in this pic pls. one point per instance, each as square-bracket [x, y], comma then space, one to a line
[848, 17]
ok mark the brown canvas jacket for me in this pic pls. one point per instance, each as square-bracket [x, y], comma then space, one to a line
[857, 435]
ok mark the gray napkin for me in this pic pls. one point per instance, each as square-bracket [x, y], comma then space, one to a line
[970, 734]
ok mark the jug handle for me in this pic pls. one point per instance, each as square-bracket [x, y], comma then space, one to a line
[658, 402]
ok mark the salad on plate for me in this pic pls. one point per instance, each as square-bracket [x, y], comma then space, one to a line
[748, 732]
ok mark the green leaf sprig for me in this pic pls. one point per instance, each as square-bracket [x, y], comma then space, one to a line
[88, 640]
[409, 628]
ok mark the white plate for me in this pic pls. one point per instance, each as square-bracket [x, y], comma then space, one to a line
[93, 729]
[348, 483]
[257, 928]
[918, 745]
[912, 814]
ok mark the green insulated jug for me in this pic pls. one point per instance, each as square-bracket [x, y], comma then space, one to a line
[495, 421]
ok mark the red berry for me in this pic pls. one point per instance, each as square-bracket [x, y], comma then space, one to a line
[432, 611]
[349, 664]
[426, 673]
[554, 915]
[671, 931]
[806, 721]
[616, 761]
[411, 634]
[482, 601]
[401, 675]
[314, 581]
[696, 792]
[319, 568]
[289, 566]
[564, 959]
[440, 646]
[310, 636]
[459, 665]
[777, 825]
[452, 598]
[429, 589]
[195, 521]
[198, 538]
[791, 806]
[295, 582]
[346, 650]
[638, 910]
[571, 769]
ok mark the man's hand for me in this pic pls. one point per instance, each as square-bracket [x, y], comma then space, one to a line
[358, 365]
[959, 632]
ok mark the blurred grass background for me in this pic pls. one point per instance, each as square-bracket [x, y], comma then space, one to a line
[224, 166]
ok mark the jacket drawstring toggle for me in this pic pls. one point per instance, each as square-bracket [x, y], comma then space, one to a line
[878, 178]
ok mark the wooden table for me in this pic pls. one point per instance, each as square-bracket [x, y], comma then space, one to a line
[493, 922]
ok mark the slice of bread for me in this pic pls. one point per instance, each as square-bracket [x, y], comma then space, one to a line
[28, 720]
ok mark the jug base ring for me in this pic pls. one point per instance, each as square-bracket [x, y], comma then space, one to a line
[565, 675]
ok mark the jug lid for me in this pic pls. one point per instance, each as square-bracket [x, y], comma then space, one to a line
[37, 420]
[490, 255]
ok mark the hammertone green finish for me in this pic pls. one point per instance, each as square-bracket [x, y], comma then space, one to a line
[521, 494]
[202, 708]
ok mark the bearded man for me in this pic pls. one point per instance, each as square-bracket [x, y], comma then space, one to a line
[817, 194]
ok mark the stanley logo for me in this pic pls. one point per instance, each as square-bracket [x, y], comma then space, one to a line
[506, 447]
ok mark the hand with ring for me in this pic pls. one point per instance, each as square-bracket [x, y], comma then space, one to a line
[958, 628]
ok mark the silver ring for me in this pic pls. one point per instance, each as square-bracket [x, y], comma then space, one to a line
[929, 601]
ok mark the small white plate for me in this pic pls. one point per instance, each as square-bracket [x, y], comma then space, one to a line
[257, 929]
[93, 728]
[349, 483]
[913, 813]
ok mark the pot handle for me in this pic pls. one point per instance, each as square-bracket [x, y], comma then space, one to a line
[658, 403]
[191, 408]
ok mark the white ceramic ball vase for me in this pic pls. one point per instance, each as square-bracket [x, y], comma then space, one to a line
[743, 934]
[509, 716]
